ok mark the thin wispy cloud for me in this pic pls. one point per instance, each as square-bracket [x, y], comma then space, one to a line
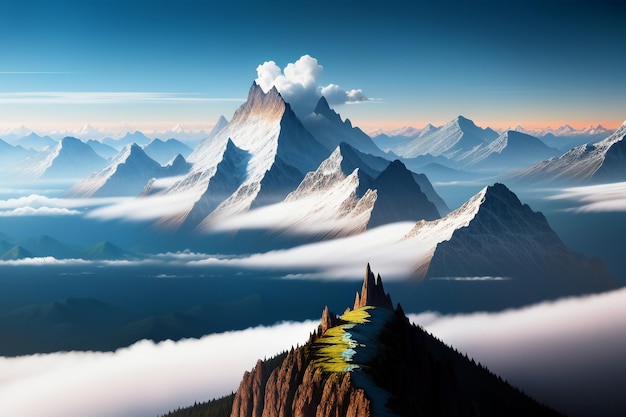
[34, 72]
[341, 258]
[146, 208]
[600, 198]
[38, 211]
[102, 97]
[46, 261]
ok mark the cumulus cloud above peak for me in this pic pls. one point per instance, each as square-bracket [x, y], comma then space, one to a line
[298, 84]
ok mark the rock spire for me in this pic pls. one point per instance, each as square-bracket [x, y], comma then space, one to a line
[372, 292]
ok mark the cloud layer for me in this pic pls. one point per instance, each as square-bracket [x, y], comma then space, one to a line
[145, 379]
[298, 84]
[600, 198]
[568, 354]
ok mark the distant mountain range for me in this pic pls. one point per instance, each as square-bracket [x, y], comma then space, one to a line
[69, 159]
[603, 161]
[127, 174]
[47, 246]
[466, 146]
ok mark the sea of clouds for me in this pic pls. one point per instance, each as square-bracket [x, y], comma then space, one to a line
[567, 354]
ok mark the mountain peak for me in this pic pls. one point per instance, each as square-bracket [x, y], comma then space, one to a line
[374, 362]
[323, 109]
[69, 140]
[372, 292]
[464, 123]
[259, 102]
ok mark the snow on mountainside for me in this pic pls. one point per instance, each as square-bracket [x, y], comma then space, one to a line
[565, 130]
[281, 151]
[452, 140]
[69, 159]
[494, 235]
[603, 161]
[164, 151]
[219, 126]
[128, 139]
[348, 196]
[327, 127]
[348, 193]
[374, 165]
[126, 175]
[510, 150]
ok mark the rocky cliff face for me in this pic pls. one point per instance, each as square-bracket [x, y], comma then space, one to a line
[506, 238]
[388, 368]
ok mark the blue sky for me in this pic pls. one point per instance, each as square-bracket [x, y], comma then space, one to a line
[499, 63]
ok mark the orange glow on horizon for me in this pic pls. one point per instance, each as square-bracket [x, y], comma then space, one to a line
[372, 126]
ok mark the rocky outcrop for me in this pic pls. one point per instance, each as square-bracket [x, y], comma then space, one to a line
[506, 238]
[372, 293]
[411, 374]
[291, 385]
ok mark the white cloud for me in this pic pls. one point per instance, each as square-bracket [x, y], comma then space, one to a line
[298, 84]
[342, 258]
[145, 379]
[336, 95]
[40, 201]
[145, 208]
[596, 198]
[102, 97]
[38, 211]
[567, 353]
[483, 278]
[44, 261]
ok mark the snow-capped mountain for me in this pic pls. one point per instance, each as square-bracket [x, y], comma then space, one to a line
[510, 150]
[219, 126]
[128, 139]
[271, 149]
[346, 195]
[603, 161]
[69, 159]
[566, 130]
[165, 151]
[11, 156]
[126, 175]
[566, 137]
[35, 142]
[494, 234]
[105, 151]
[327, 127]
[452, 140]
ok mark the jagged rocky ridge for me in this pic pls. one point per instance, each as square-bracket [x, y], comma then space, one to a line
[395, 369]
[127, 174]
[328, 128]
[494, 235]
[272, 152]
[351, 191]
